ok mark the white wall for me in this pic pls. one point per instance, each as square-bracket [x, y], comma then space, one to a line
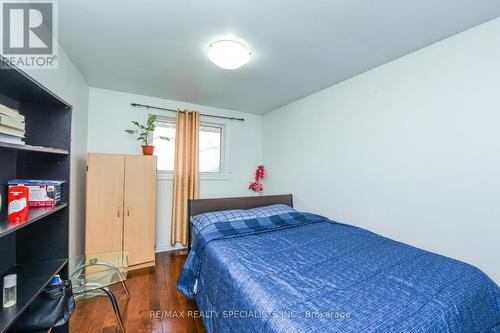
[110, 114]
[69, 84]
[410, 150]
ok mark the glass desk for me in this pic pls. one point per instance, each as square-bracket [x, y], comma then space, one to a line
[92, 274]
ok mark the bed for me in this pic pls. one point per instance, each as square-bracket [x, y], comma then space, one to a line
[300, 272]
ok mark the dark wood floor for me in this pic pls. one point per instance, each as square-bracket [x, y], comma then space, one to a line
[150, 290]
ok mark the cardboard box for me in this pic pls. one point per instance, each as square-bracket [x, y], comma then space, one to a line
[42, 193]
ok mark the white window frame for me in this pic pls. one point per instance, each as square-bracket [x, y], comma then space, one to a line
[224, 165]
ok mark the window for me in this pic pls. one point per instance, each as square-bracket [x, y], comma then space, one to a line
[165, 149]
[211, 146]
[210, 149]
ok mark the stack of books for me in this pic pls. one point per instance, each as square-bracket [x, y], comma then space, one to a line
[12, 128]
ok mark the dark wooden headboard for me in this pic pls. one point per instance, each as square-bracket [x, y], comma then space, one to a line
[200, 206]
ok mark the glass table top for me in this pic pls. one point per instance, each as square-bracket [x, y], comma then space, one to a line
[92, 272]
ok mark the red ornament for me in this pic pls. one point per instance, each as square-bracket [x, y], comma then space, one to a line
[256, 186]
[259, 173]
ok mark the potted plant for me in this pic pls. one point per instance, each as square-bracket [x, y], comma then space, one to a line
[144, 133]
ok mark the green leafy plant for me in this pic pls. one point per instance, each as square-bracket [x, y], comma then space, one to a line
[143, 132]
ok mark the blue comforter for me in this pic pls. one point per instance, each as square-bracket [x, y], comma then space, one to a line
[309, 274]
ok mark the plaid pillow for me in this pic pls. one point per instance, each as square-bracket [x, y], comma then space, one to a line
[271, 210]
[201, 221]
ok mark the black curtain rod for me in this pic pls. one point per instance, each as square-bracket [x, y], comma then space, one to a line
[137, 105]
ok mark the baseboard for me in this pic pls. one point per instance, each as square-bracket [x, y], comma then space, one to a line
[143, 265]
[169, 248]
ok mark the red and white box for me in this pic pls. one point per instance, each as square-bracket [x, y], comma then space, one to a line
[18, 203]
[42, 193]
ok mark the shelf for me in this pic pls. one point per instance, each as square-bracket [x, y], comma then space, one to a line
[31, 279]
[39, 149]
[21, 87]
[35, 214]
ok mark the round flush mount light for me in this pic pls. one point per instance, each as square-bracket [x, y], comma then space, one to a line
[228, 54]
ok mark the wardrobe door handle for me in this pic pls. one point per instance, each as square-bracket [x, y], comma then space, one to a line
[118, 213]
[128, 212]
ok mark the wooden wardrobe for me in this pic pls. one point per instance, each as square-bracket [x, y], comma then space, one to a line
[121, 206]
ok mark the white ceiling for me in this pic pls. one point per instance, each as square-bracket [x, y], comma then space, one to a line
[158, 48]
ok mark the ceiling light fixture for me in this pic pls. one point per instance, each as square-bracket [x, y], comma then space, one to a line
[228, 54]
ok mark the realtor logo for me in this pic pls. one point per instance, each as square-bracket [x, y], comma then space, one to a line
[29, 34]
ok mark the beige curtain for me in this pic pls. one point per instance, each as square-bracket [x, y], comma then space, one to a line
[186, 172]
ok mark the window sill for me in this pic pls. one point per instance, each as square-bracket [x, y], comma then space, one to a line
[204, 176]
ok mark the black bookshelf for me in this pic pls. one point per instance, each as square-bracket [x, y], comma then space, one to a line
[36, 249]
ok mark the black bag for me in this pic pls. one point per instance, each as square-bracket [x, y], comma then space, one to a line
[51, 308]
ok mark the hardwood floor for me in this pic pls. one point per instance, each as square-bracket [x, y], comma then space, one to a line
[151, 290]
